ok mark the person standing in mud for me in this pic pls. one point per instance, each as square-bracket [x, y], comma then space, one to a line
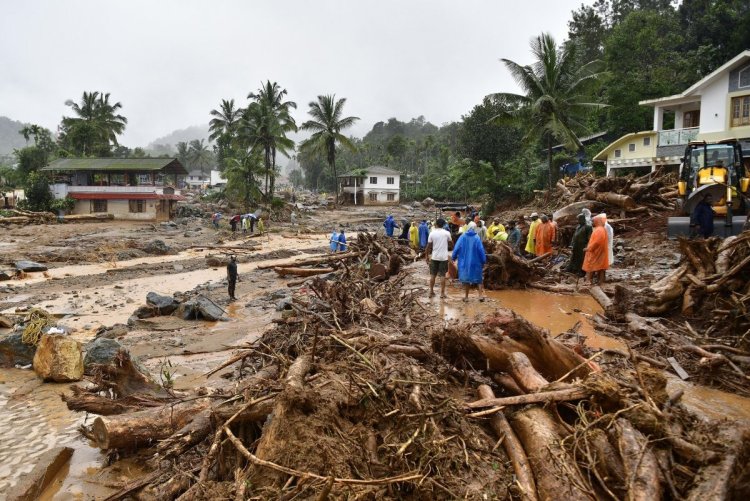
[469, 252]
[342, 241]
[596, 260]
[514, 238]
[544, 237]
[389, 224]
[702, 218]
[531, 237]
[232, 277]
[578, 243]
[436, 253]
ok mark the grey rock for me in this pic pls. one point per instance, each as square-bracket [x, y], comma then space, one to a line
[115, 331]
[5, 275]
[284, 304]
[144, 312]
[164, 305]
[14, 351]
[200, 308]
[100, 351]
[30, 266]
[157, 247]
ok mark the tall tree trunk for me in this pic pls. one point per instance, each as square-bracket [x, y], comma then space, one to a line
[335, 178]
[549, 162]
[273, 171]
[267, 163]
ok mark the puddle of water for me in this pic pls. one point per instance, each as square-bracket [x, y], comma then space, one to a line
[554, 312]
[710, 402]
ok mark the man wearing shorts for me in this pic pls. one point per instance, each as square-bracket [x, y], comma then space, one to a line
[437, 255]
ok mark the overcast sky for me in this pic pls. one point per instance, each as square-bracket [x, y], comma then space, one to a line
[170, 62]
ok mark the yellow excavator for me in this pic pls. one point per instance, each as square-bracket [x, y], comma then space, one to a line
[719, 169]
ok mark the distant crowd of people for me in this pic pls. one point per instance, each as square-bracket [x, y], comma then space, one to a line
[455, 248]
[244, 222]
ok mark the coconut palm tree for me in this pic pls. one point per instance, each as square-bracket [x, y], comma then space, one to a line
[225, 120]
[264, 127]
[241, 173]
[95, 127]
[326, 126]
[199, 154]
[556, 89]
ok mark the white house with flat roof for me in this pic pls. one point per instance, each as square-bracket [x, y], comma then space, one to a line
[714, 108]
[374, 185]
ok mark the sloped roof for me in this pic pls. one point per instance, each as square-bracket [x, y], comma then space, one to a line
[728, 66]
[168, 165]
[373, 169]
[602, 155]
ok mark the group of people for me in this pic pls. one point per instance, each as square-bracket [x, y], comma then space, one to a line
[244, 222]
[337, 240]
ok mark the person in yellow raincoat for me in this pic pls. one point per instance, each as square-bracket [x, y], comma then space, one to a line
[494, 228]
[414, 236]
[531, 238]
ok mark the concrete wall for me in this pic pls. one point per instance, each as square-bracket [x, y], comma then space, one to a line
[714, 106]
[120, 209]
[382, 182]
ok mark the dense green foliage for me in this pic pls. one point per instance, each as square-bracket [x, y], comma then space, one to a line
[94, 129]
[38, 195]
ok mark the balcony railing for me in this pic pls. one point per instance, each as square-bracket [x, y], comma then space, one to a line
[115, 189]
[677, 136]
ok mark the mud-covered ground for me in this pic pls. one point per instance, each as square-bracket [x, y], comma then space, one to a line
[99, 273]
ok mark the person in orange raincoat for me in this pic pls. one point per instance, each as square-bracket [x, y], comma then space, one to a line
[545, 235]
[597, 251]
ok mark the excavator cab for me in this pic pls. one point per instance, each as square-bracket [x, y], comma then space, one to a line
[718, 169]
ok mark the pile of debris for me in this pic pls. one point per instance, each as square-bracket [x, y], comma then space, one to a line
[505, 269]
[18, 216]
[698, 316]
[364, 394]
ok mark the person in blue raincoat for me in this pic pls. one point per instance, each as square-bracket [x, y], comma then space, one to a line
[424, 233]
[469, 252]
[389, 224]
[334, 240]
[342, 241]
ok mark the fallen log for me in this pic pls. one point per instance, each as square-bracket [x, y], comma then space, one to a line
[88, 217]
[641, 466]
[616, 199]
[524, 374]
[604, 301]
[302, 272]
[564, 395]
[329, 258]
[513, 449]
[555, 479]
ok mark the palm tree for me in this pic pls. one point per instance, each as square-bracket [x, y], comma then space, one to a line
[225, 120]
[96, 125]
[556, 89]
[326, 125]
[266, 122]
[183, 154]
[241, 172]
[200, 155]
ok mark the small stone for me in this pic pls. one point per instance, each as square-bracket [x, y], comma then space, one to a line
[30, 266]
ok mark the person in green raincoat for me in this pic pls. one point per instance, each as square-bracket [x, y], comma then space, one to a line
[579, 242]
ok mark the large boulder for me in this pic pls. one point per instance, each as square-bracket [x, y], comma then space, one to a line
[157, 247]
[200, 308]
[59, 359]
[30, 266]
[164, 305]
[428, 202]
[100, 351]
[14, 351]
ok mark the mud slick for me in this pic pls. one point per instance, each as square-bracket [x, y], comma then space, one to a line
[363, 393]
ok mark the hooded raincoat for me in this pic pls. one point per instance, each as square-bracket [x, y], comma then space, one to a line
[414, 236]
[531, 237]
[389, 225]
[579, 242]
[597, 252]
[424, 233]
[471, 257]
[545, 235]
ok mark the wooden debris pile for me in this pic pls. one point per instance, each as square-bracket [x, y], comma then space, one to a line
[698, 314]
[18, 216]
[505, 269]
[626, 200]
[351, 398]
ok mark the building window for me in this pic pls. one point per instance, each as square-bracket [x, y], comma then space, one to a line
[137, 205]
[144, 179]
[389, 180]
[391, 196]
[740, 111]
[691, 118]
[373, 180]
[98, 206]
[631, 147]
[646, 141]
[373, 197]
[744, 78]
[618, 153]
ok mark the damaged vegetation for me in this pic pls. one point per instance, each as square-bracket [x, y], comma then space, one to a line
[363, 393]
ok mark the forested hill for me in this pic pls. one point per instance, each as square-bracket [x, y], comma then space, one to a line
[178, 136]
[9, 136]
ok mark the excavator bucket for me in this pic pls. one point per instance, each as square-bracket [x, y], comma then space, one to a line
[680, 226]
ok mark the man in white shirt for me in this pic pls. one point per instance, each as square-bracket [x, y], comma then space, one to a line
[437, 255]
